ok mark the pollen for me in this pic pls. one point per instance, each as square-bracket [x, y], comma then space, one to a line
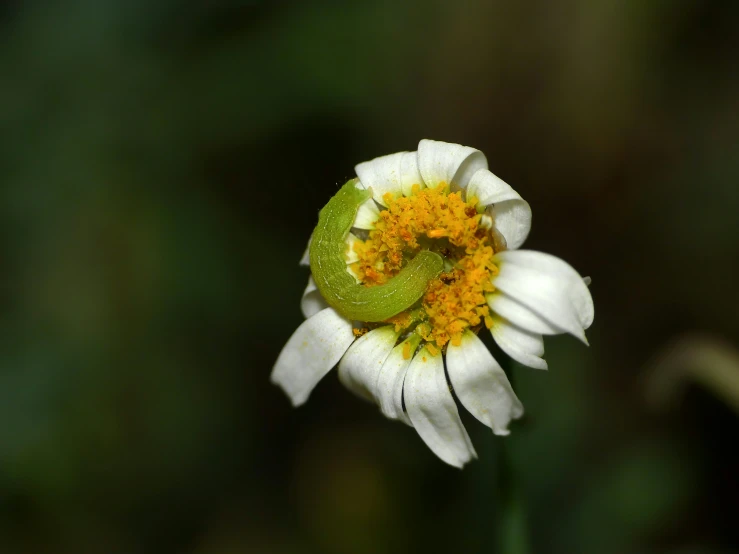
[407, 351]
[444, 222]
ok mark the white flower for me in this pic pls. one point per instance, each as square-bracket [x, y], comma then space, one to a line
[444, 195]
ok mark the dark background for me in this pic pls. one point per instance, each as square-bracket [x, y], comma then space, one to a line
[161, 167]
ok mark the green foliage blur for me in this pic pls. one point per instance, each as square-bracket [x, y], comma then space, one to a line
[162, 164]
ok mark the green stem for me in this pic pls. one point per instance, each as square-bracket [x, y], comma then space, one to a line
[512, 531]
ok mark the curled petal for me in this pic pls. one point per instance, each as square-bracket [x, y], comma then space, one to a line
[382, 175]
[510, 212]
[409, 173]
[391, 379]
[523, 346]
[443, 162]
[360, 367]
[313, 349]
[489, 189]
[520, 315]
[367, 214]
[513, 220]
[548, 286]
[433, 412]
[481, 385]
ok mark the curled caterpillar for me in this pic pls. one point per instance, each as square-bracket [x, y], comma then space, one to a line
[339, 288]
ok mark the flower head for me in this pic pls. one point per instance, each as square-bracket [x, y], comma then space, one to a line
[441, 200]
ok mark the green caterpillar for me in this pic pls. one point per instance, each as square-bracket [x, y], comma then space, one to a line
[340, 289]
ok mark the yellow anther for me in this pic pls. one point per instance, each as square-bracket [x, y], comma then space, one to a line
[407, 350]
[455, 301]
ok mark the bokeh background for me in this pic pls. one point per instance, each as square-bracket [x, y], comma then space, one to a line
[162, 164]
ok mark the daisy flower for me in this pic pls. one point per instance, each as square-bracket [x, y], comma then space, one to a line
[441, 198]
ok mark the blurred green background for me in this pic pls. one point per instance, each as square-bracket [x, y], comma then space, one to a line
[162, 164]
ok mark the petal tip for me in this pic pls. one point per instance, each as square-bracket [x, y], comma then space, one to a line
[297, 399]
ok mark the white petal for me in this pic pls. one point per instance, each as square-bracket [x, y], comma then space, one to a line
[489, 189]
[540, 262]
[512, 219]
[313, 349]
[312, 301]
[360, 367]
[409, 174]
[520, 315]
[523, 346]
[433, 412]
[510, 212]
[351, 256]
[453, 164]
[367, 214]
[382, 175]
[548, 286]
[305, 260]
[392, 376]
[481, 385]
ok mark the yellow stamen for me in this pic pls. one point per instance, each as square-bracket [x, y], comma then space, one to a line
[407, 350]
[434, 219]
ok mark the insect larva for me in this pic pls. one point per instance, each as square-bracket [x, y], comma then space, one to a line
[339, 288]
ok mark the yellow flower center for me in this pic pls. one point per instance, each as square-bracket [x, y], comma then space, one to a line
[433, 219]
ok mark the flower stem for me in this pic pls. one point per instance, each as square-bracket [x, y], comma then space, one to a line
[512, 529]
[512, 532]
